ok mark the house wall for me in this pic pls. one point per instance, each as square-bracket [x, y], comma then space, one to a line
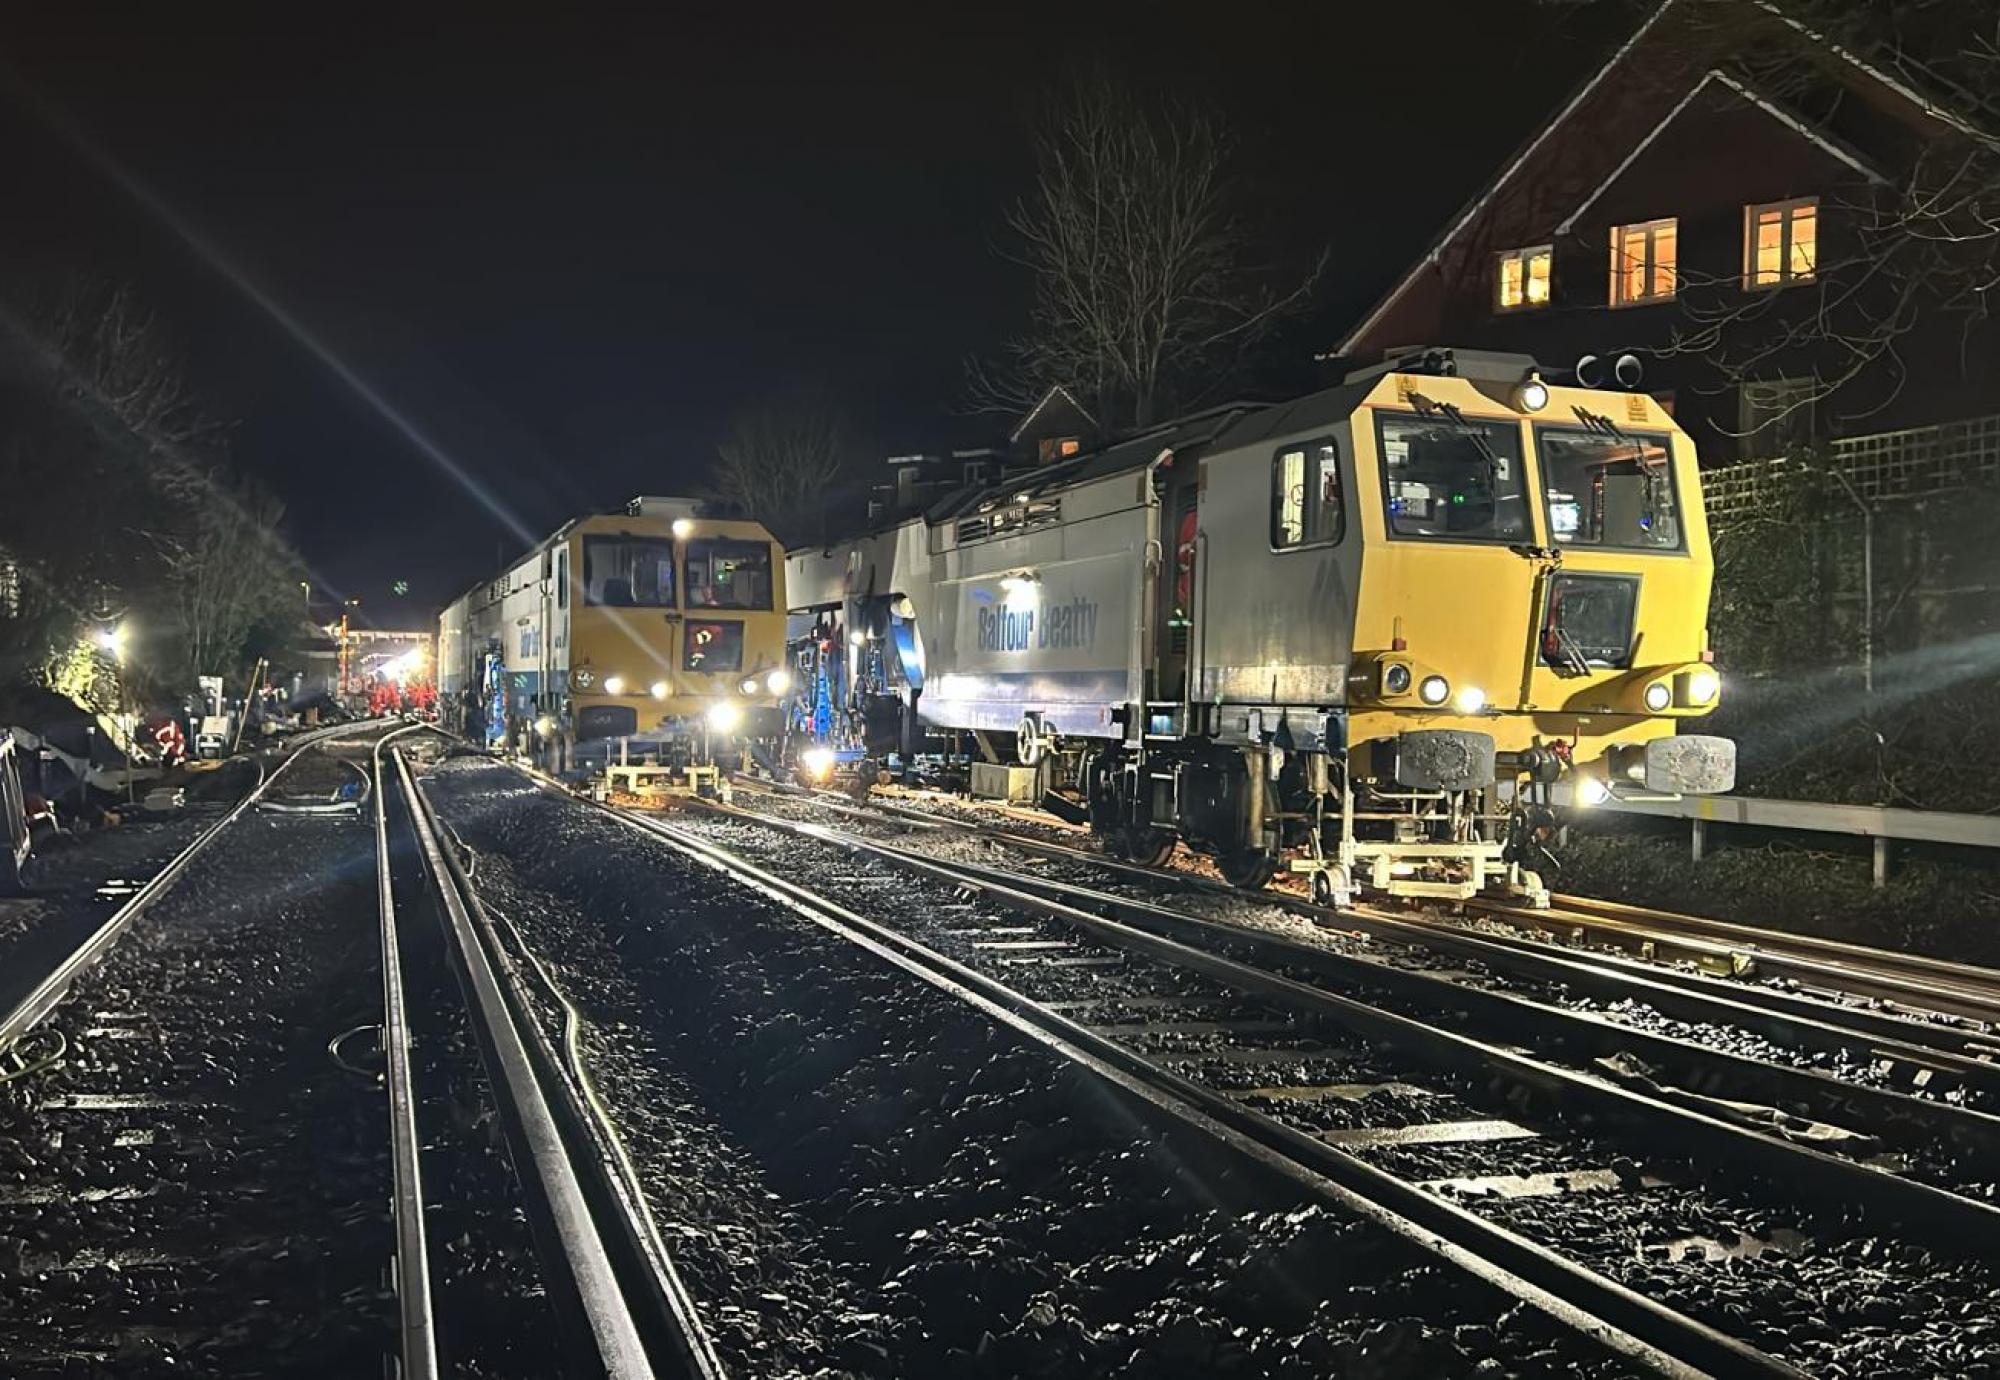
[1717, 153]
[1684, 173]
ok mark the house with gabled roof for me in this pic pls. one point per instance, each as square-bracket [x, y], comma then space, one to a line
[1686, 186]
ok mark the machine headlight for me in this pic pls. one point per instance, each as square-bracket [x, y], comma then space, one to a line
[584, 677]
[545, 726]
[1395, 679]
[1434, 690]
[1531, 395]
[659, 689]
[749, 686]
[614, 685]
[778, 682]
[1658, 696]
[1590, 791]
[1469, 700]
[725, 716]
[1703, 686]
[817, 761]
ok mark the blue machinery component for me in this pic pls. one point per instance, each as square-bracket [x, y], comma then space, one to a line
[493, 695]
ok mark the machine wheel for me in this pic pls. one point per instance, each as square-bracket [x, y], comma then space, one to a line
[863, 782]
[1248, 868]
[1147, 846]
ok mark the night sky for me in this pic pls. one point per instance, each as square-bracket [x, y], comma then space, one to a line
[569, 252]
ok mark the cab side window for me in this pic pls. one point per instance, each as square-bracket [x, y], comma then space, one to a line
[1307, 507]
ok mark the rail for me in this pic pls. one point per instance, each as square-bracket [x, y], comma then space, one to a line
[621, 1283]
[418, 1347]
[1942, 1219]
[1625, 1324]
[1882, 824]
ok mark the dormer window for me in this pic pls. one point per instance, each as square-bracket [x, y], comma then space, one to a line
[1522, 279]
[1780, 243]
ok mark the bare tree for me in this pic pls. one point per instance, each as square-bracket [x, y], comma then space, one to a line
[124, 499]
[1146, 286]
[113, 361]
[231, 574]
[782, 463]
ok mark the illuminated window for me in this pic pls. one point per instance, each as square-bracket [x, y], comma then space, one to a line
[1052, 448]
[1523, 279]
[1643, 261]
[724, 574]
[1306, 507]
[1780, 243]
[712, 647]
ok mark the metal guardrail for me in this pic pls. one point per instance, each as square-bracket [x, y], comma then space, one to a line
[1882, 824]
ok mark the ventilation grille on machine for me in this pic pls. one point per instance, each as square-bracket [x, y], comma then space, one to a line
[1009, 518]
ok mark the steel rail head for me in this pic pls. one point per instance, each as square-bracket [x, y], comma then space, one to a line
[418, 1347]
[1911, 982]
[1789, 1017]
[1600, 1310]
[1950, 970]
[590, 1207]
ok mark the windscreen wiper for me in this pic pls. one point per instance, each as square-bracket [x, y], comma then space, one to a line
[1652, 480]
[1427, 407]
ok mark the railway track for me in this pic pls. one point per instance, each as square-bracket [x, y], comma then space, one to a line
[1479, 1293]
[1918, 1050]
[193, 1175]
[608, 1274]
[182, 1184]
[1945, 1214]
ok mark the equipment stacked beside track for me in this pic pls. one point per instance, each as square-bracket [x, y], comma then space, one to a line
[1356, 636]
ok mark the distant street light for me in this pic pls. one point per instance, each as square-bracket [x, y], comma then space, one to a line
[113, 641]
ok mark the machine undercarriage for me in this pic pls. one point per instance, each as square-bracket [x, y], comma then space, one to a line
[1259, 811]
